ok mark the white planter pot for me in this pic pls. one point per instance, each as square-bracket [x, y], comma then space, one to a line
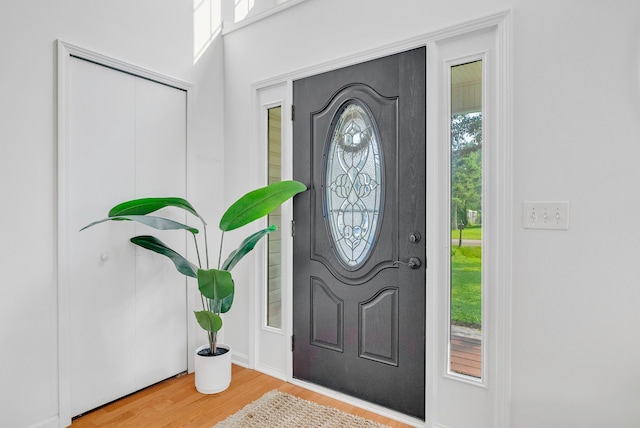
[213, 374]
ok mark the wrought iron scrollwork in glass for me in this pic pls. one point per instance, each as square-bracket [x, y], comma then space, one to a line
[353, 184]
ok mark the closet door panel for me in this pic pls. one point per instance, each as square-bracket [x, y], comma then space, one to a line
[161, 291]
[102, 274]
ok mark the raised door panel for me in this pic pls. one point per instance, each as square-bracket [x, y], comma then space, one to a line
[327, 317]
[378, 327]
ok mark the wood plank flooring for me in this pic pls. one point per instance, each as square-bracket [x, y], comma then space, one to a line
[176, 403]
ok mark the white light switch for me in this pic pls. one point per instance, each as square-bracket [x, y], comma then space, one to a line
[546, 215]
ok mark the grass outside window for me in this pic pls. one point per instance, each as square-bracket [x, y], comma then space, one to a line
[466, 285]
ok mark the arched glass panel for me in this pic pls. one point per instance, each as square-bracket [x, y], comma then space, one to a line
[353, 184]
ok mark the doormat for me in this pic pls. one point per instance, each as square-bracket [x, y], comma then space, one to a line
[282, 410]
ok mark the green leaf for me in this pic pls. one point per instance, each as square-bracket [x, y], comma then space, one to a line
[148, 205]
[258, 203]
[226, 303]
[152, 243]
[208, 321]
[215, 284]
[159, 223]
[245, 247]
[97, 222]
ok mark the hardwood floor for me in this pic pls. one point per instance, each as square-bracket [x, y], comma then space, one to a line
[176, 403]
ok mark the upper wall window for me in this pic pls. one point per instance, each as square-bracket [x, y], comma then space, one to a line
[239, 13]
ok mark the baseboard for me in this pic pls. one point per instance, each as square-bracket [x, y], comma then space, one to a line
[271, 372]
[239, 359]
[52, 422]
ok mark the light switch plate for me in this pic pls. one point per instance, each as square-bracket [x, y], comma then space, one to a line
[546, 215]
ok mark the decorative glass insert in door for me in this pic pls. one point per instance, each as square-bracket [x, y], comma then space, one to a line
[353, 184]
[465, 329]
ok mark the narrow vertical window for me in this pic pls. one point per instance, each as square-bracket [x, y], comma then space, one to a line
[274, 251]
[465, 346]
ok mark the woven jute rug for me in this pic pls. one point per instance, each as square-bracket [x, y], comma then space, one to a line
[277, 409]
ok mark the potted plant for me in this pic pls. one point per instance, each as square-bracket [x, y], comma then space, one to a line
[216, 285]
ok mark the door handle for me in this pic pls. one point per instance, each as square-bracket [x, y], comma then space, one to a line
[413, 263]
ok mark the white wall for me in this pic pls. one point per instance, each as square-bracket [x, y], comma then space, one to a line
[576, 81]
[576, 294]
[576, 78]
[151, 34]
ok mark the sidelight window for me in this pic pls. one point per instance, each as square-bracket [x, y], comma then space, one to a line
[465, 329]
[274, 239]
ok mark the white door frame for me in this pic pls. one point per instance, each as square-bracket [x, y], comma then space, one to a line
[67, 51]
[266, 342]
[438, 380]
[486, 401]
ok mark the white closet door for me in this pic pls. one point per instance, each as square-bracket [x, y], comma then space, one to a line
[160, 171]
[126, 139]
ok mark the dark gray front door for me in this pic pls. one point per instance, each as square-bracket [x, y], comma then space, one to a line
[359, 252]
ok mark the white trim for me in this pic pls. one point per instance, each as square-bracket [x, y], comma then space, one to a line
[287, 212]
[270, 371]
[494, 388]
[436, 242]
[240, 359]
[504, 243]
[52, 422]
[433, 237]
[257, 276]
[64, 385]
[480, 24]
[65, 51]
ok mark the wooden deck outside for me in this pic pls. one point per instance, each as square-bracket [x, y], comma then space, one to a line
[466, 355]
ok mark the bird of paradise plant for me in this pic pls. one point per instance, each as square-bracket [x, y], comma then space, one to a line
[216, 285]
